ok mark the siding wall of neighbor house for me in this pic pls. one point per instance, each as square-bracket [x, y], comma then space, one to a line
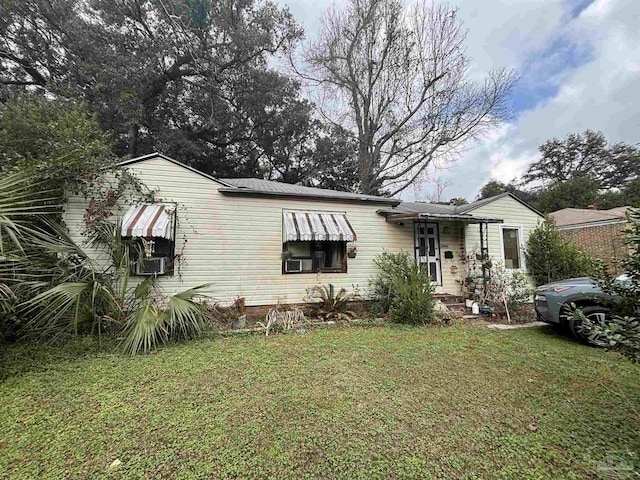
[235, 243]
[604, 242]
[513, 213]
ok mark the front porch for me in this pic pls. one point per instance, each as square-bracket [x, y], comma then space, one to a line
[439, 243]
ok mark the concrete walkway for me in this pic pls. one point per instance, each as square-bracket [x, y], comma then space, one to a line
[502, 326]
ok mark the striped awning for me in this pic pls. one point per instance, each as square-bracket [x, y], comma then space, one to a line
[317, 226]
[154, 220]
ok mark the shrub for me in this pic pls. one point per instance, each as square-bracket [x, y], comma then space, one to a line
[622, 330]
[506, 291]
[402, 289]
[550, 257]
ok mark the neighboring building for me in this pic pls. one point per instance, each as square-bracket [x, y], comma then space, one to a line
[599, 233]
[270, 241]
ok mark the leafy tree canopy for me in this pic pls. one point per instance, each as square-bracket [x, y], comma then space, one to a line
[59, 141]
[585, 155]
[494, 187]
[578, 192]
[579, 171]
[189, 77]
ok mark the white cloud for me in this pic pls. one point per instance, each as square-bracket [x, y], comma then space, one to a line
[602, 94]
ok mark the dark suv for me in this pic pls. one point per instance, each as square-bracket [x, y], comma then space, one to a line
[553, 302]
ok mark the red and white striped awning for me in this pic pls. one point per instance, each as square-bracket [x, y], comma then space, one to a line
[154, 220]
[317, 226]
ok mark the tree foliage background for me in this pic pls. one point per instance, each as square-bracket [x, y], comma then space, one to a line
[189, 78]
[576, 172]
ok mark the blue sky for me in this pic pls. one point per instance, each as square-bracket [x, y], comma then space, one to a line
[579, 68]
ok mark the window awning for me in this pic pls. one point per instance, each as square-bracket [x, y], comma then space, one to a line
[317, 226]
[154, 220]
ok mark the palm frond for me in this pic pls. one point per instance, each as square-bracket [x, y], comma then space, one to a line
[144, 330]
[149, 326]
[21, 199]
[184, 316]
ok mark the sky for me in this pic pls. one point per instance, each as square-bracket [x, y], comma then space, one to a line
[579, 68]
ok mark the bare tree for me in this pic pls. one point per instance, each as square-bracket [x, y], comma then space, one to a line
[440, 184]
[397, 77]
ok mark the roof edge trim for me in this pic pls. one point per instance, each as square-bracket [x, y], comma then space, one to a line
[251, 192]
[498, 197]
[149, 156]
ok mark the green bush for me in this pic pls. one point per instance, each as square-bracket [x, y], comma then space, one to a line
[550, 257]
[402, 289]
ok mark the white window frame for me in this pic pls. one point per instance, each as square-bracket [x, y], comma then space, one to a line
[520, 230]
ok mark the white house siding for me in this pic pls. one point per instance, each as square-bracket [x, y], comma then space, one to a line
[235, 242]
[513, 213]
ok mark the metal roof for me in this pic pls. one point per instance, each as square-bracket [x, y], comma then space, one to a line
[436, 217]
[307, 226]
[257, 186]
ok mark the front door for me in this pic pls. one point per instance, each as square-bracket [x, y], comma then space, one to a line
[428, 249]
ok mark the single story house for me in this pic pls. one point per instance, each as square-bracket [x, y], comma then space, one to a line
[269, 241]
[599, 233]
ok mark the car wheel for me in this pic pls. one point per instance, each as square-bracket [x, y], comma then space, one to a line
[597, 315]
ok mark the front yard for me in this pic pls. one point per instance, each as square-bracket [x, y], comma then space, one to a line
[458, 402]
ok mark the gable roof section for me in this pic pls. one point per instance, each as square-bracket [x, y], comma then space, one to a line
[451, 211]
[583, 216]
[175, 162]
[485, 201]
[257, 186]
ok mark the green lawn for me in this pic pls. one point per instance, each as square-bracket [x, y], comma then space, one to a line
[457, 402]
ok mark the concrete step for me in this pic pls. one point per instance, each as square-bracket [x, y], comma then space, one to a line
[456, 307]
[449, 299]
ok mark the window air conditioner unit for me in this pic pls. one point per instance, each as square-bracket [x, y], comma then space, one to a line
[293, 265]
[151, 266]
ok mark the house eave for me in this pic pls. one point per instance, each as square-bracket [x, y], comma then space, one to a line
[437, 217]
[248, 192]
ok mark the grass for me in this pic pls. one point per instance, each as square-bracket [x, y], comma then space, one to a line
[458, 402]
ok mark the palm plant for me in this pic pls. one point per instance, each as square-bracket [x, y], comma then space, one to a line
[49, 280]
[21, 201]
[22, 205]
[332, 304]
[150, 325]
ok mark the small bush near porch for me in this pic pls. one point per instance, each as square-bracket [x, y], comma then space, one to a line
[459, 402]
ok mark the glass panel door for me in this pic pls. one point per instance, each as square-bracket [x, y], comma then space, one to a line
[428, 249]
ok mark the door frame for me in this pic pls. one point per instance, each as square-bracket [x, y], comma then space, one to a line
[436, 258]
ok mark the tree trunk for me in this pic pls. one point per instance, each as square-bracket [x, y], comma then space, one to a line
[133, 139]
